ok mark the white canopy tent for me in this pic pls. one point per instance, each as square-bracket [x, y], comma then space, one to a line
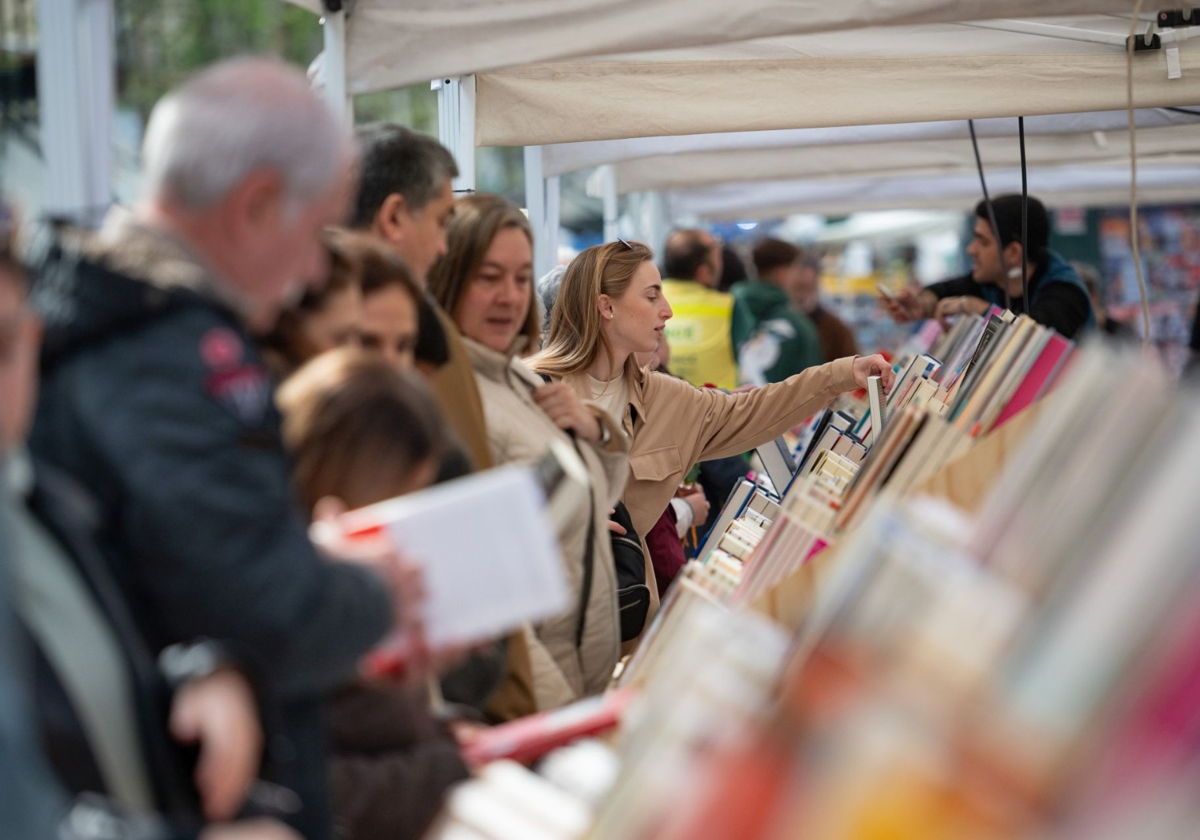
[542, 75]
[912, 157]
[1056, 186]
[395, 43]
[870, 76]
[561, 158]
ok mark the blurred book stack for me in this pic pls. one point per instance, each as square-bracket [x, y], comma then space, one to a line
[1025, 666]
[1031, 671]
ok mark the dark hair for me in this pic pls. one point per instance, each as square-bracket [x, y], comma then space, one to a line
[357, 427]
[286, 345]
[1008, 220]
[395, 159]
[770, 254]
[476, 221]
[686, 251]
[733, 268]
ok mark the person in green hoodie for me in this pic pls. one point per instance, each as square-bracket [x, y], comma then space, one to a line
[772, 339]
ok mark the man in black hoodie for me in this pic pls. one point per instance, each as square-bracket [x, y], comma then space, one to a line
[156, 401]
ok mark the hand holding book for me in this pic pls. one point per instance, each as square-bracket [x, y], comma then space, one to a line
[876, 365]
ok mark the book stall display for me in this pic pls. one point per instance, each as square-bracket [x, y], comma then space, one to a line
[983, 626]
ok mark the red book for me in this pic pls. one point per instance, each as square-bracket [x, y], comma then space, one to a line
[1041, 375]
[531, 737]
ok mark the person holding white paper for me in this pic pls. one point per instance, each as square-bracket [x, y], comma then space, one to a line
[485, 283]
[612, 306]
[362, 432]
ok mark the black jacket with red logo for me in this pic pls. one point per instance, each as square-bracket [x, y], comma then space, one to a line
[155, 400]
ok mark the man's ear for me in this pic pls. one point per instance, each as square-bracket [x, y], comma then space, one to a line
[392, 219]
[704, 276]
[1012, 255]
[257, 200]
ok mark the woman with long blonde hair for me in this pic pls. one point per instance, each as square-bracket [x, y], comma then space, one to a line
[610, 307]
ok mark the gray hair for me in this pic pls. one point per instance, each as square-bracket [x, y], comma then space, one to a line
[547, 291]
[238, 116]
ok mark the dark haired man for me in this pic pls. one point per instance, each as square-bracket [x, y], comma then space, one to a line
[1057, 295]
[405, 200]
[404, 197]
[699, 333]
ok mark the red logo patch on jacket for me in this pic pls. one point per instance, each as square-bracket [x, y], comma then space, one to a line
[221, 348]
[245, 390]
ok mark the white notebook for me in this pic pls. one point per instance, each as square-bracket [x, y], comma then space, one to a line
[487, 549]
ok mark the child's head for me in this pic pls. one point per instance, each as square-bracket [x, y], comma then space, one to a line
[359, 430]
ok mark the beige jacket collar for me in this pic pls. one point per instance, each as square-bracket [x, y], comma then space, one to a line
[499, 367]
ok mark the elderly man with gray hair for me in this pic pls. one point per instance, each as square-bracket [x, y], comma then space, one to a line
[157, 403]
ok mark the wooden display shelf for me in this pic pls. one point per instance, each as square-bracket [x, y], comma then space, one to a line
[963, 482]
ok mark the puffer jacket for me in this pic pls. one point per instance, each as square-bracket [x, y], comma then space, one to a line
[518, 431]
[156, 402]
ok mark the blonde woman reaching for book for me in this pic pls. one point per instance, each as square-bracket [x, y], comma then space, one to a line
[612, 306]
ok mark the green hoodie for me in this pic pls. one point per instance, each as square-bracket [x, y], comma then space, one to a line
[771, 339]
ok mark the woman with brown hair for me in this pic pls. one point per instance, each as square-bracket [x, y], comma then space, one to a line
[361, 432]
[611, 306]
[391, 302]
[485, 283]
[370, 299]
[324, 318]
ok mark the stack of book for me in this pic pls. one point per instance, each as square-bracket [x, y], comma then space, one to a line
[1028, 671]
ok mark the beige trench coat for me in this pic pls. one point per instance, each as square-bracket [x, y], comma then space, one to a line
[518, 431]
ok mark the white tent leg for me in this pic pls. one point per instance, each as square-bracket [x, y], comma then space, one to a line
[611, 207]
[456, 125]
[75, 99]
[651, 219]
[536, 207]
[553, 217]
[334, 58]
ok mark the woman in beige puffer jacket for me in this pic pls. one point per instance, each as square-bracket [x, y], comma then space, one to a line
[485, 283]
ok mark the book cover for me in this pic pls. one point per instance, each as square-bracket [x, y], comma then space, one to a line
[1041, 373]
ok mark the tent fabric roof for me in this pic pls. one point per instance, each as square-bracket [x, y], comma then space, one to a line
[915, 157]
[394, 43]
[869, 76]
[1055, 186]
[561, 158]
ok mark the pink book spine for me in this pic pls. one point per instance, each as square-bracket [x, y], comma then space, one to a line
[1040, 374]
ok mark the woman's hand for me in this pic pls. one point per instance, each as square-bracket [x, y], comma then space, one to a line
[218, 714]
[865, 366]
[563, 406]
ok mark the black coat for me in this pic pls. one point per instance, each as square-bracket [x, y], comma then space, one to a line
[155, 400]
[66, 512]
